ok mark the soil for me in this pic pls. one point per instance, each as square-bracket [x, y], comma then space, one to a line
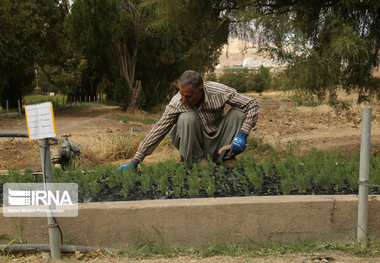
[280, 122]
[322, 256]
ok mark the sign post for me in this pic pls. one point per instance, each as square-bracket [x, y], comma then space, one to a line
[41, 125]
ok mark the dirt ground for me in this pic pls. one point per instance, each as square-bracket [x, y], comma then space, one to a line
[280, 122]
[320, 257]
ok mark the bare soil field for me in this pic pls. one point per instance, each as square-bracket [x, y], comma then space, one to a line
[280, 122]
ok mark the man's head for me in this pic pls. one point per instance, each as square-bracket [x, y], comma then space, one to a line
[191, 87]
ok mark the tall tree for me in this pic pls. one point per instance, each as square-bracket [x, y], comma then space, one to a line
[91, 26]
[30, 35]
[152, 42]
[328, 44]
[183, 35]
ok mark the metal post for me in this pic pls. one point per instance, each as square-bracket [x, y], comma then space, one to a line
[364, 176]
[19, 108]
[54, 234]
[7, 107]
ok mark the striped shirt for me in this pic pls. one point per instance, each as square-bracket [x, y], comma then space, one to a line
[210, 113]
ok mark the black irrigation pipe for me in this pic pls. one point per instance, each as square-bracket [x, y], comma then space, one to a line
[13, 134]
[45, 247]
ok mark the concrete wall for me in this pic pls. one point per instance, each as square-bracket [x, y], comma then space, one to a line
[201, 222]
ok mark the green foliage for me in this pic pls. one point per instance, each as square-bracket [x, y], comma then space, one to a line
[235, 80]
[311, 250]
[179, 182]
[145, 177]
[262, 80]
[128, 180]
[150, 41]
[211, 77]
[112, 176]
[193, 181]
[91, 28]
[244, 80]
[122, 92]
[208, 178]
[14, 176]
[304, 99]
[67, 77]
[31, 34]
[278, 82]
[35, 99]
[326, 45]
[317, 172]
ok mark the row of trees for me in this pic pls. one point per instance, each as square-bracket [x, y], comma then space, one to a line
[133, 50]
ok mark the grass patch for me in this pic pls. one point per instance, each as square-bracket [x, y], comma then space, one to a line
[79, 106]
[119, 146]
[150, 249]
[303, 101]
[127, 119]
[17, 117]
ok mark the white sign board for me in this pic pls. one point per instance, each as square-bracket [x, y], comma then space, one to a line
[40, 121]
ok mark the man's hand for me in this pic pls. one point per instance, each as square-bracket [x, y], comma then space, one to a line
[130, 165]
[239, 142]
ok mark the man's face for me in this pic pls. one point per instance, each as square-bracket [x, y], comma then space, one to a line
[189, 96]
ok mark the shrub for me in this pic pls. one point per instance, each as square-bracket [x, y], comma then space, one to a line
[35, 99]
[244, 80]
[122, 93]
[236, 80]
[265, 77]
[278, 82]
[211, 77]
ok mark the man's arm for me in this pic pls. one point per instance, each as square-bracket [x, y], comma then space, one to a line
[156, 134]
[248, 105]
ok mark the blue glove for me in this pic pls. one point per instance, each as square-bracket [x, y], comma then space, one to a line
[239, 142]
[130, 165]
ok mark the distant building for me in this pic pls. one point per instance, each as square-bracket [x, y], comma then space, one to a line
[248, 63]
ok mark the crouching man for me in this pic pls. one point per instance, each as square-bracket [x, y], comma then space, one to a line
[197, 124]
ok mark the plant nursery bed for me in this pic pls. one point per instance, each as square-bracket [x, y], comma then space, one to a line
[221, 182]
[228, 184]
[319, 174]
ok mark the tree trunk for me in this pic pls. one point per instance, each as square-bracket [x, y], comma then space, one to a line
[135, 97]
